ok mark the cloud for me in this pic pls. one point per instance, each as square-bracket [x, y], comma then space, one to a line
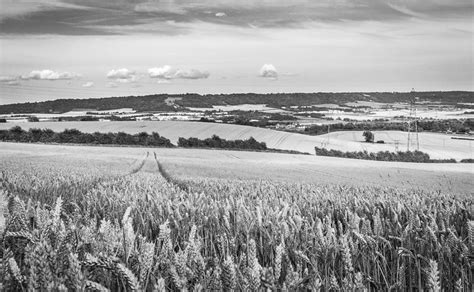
[191, 74]
[88, 84]
[112, 85]
[268, 71]
[122, 75]
[98, 17]
[167, 72]
[49, 75]
[164, 72]
[9, 80]
[19, 8]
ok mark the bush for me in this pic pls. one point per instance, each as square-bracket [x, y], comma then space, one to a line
[369, 136]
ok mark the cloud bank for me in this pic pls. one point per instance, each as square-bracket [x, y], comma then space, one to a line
[9, 80]
[50, 75]
[122, 75]
[167, 72]
[88, 84]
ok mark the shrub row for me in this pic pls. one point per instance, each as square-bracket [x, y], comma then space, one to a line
[217, 142]
[402, 156]
[17, 134]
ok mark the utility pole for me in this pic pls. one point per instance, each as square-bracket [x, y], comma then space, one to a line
[329, 126]
[413, 119]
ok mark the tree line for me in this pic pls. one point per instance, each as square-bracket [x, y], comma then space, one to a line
[17, 134]
[401, 156]
[217, 142]
[74, 136]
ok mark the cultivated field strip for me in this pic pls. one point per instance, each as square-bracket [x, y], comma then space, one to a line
[126, 230]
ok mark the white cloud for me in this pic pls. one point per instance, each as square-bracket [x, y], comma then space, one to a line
[9, 80]
[88, 84]
[268, 71]
[167, 72]
[112, 85]
[221, 14]
[191, 74]
[49, 75]
[122, 75]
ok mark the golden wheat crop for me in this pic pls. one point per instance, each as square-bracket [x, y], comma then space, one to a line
[84, 227]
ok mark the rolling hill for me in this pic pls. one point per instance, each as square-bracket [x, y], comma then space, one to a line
[157, 102]
[438, 146]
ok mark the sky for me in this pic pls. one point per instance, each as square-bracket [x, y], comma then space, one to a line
[54, 49]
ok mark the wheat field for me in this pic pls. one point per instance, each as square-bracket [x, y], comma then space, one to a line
[132, 225]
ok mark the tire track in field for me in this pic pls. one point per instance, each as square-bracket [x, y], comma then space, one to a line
[230, 155]
[140, 166]
[169, 179]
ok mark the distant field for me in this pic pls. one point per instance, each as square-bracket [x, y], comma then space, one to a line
[438, 146]
[240, 165]
[241, 107]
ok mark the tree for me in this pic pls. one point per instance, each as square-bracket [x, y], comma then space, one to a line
[33, 119]
[369, 136]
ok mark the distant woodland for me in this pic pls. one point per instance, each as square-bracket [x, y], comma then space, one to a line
[157, 102]
[456, 126]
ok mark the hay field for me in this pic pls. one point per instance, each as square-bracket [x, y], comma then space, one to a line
[438, 146]
[242, 165]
